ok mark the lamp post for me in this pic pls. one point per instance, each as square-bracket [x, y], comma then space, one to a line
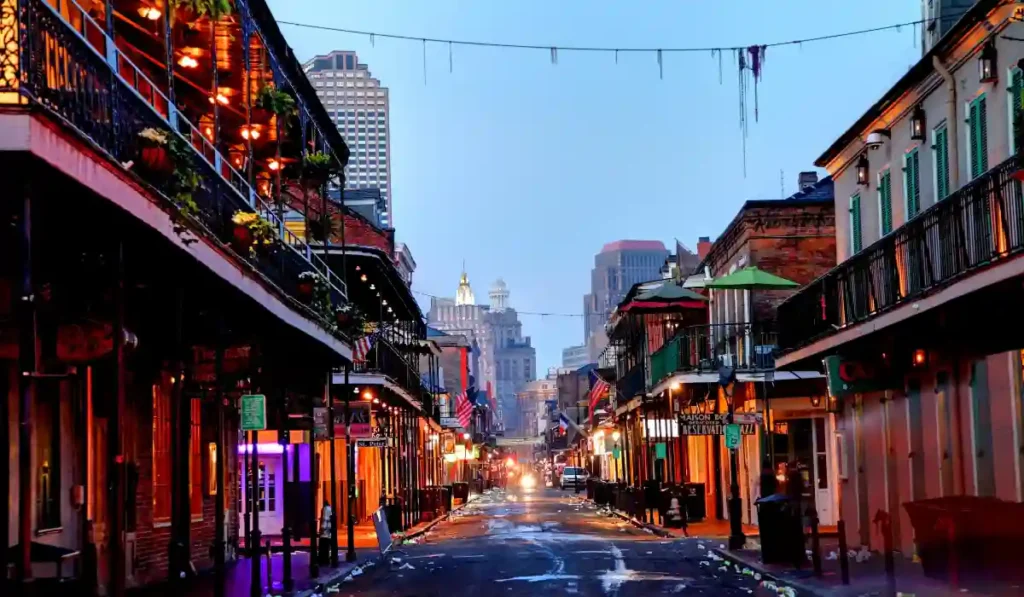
[727, 379]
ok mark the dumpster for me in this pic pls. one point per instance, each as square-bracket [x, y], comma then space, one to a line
[969, 539]
[782, 533]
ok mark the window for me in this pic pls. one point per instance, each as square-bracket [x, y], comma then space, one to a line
[47, 448]
[977, 123]
[940, 158]
[1015, 104]
[349, 62]
[161, 452]
[195, 469]
[912, 183]
[856, 242]
[526, 368]
[885, 202]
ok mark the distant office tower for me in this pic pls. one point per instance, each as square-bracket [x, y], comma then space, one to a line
[575, 357]
[507, 359]
[359, 105]
[938, 17]
[617, 267]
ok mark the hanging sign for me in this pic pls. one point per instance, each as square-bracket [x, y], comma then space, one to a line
[846, 378]
[450, 422]
[254, 412]
[713, 424]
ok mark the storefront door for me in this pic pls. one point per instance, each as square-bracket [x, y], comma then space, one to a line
[269, 496]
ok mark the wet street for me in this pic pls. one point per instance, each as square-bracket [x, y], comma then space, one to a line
[549, 542]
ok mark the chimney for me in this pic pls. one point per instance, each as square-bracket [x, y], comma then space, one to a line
[703, 246]
[806, 180]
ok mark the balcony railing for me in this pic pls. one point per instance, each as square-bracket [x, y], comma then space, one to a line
[69, 66]
[980, 224]
[632, 384]
[708, 348]
[386, 359]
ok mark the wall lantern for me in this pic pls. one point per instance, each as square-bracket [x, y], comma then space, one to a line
[987, 64]
[862, 171]
[815, 401]
[920, 357]
[917, 124]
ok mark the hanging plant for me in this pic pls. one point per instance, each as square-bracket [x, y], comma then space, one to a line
[275, 101]
[307, 284]
[165, 161]
[215, 9]
[349, 319]
[320, 300]
[318, 167]
[250, 232]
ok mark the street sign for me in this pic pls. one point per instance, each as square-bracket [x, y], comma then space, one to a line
[254, 412]
[714, 423]
[450, 422]
[732, 436]
[616, 452]
[660, 451]
[376, 442]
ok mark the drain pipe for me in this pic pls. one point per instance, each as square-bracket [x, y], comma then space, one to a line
[952, 125]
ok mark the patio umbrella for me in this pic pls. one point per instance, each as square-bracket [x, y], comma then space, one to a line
[670, 292]
[751, 278]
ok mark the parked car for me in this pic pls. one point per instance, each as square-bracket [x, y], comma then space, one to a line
[573, 476]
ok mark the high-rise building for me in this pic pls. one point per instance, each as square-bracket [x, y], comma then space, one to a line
[617, 267]
[575, 357]
[359, 106]
[938, 17]
[507, 360]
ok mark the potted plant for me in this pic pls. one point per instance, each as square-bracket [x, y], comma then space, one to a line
[250, 232]
[215, 9]
[307, 283]
[155, 154]
[317, 168]
[270, 100]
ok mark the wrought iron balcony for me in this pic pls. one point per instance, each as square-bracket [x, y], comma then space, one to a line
[708, 348]
[978, 225]
[58, 58]
[386, 359]
[632, 384]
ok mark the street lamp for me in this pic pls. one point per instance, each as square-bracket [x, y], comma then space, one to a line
[727, 379]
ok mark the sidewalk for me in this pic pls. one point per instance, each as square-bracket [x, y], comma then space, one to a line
[867, 574]
[237, 578]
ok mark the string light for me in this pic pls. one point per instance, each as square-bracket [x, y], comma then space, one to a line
[188, 62]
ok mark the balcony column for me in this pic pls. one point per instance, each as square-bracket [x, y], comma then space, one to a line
[27, 367]
[314, 489]
[334, 465]
[168, 57]
[350, 481]
[181, 429]
[116, 463]
[219, 513]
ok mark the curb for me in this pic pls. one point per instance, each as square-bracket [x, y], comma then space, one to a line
[801, 587]
[643, 525]
[433, 523]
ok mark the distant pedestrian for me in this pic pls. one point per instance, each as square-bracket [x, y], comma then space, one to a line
[326, 526]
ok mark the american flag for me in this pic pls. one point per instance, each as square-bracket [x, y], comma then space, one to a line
[363, 347]
[463, 409]
[598, 391]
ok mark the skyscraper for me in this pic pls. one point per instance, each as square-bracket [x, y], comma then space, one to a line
[938, 17]
[507, 359]
[617, 267]
[359, 106]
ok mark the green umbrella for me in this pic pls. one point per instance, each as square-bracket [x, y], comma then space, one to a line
[669, 292]
[751, 278]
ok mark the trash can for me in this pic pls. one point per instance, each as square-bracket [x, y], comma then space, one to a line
[460, 491]
[673, 507]
[696, 507]
[782, 535]
[591, 485]
[446, 499]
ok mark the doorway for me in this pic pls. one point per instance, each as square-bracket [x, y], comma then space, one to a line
[803, 443]
[268, 493]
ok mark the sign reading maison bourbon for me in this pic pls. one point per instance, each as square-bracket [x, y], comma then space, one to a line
[712, 424]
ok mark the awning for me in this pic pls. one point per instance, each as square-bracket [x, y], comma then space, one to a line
[751, 278]
[713, 377]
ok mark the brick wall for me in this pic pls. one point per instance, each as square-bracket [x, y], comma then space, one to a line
[793, 240]
[360, 232]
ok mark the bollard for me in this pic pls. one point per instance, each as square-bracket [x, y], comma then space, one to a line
[286, 541]
[270, 570]
[844, 560]
[815, 542]
[890, 563]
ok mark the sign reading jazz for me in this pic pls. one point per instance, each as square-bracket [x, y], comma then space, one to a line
[714, 423]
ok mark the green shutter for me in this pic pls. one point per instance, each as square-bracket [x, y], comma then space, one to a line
[885, 202]
[856, 241]
[941, 164]
[912, 174]
[979, 137]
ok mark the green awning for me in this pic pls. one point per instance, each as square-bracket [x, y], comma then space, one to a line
[751, 278]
